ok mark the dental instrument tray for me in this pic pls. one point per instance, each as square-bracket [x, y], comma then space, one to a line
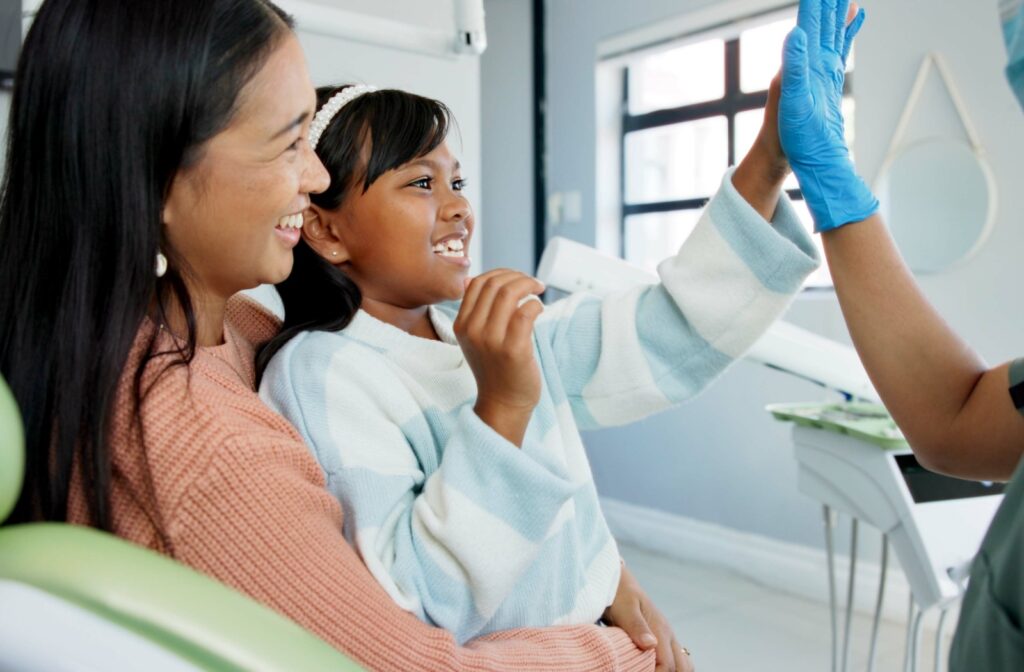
[866, 421]
[852, 458]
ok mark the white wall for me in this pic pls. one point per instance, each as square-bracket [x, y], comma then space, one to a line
[721, 458]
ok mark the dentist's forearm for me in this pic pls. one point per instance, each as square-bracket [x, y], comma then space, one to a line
[923, 371]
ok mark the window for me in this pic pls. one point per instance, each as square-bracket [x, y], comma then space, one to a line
[688, 113]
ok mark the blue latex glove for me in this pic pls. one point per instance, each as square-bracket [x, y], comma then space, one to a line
[811, 117]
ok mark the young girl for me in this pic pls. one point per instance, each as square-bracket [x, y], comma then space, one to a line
[450, 432]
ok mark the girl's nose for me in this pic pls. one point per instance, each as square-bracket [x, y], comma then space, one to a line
[458, 208]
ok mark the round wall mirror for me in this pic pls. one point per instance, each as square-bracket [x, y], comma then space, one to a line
[939, 199]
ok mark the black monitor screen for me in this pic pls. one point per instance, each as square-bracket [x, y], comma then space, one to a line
[927, 486]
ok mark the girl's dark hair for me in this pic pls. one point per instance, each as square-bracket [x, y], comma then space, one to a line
[111, 99]
[375, 133]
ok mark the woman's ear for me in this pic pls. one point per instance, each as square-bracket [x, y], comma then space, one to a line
[319, 232]
[172, 201]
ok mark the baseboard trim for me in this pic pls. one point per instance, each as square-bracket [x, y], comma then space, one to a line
[792, 568]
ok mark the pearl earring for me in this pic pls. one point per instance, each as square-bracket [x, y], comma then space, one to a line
[334, 254]
[161, 264]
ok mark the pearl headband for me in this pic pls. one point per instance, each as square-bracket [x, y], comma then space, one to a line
[326, 113]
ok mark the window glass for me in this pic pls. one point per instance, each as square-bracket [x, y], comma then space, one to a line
[676, 162]
[761, 54]
[685, 75]
[654, 237]
[849, 112]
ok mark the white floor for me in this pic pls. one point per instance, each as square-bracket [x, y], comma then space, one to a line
[731, 624]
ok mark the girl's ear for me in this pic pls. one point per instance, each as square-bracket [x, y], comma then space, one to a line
[320, 235]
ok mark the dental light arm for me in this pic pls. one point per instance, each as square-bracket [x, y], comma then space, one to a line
[573, 267]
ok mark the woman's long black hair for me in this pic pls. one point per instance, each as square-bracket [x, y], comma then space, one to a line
[111, 99]
[377, 132]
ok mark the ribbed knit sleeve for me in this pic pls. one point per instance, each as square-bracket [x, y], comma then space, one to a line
[260, 520]
[630, 354]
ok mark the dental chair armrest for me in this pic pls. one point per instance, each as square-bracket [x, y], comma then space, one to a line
[192, 615]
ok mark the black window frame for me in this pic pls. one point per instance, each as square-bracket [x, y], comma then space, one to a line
[732, 103]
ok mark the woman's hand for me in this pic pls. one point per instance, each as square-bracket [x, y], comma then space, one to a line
[495, 329]
[634, 612]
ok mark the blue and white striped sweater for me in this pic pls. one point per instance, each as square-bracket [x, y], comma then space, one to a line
[461, 527]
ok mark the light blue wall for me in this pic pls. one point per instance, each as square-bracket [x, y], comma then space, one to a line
[506, 90]
[720, 458]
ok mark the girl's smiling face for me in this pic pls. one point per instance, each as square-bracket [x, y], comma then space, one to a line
[405, 240]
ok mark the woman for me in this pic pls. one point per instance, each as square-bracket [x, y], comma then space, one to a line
[157, 165]
[961, 416]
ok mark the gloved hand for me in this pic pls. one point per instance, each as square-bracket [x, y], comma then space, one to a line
[811, 118]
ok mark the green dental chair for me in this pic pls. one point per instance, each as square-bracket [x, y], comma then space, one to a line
[74, 599]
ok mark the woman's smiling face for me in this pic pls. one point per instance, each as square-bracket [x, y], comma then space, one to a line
[234, 215]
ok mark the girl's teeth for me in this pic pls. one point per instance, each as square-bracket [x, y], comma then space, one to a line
[453, 248]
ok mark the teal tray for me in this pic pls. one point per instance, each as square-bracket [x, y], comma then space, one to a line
[865, 421]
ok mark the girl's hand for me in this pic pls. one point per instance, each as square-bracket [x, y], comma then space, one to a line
[634, 612]
[760, 175]
[495, 329]
[767, 148]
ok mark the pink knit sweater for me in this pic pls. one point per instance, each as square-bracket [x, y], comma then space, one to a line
[242, 500]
